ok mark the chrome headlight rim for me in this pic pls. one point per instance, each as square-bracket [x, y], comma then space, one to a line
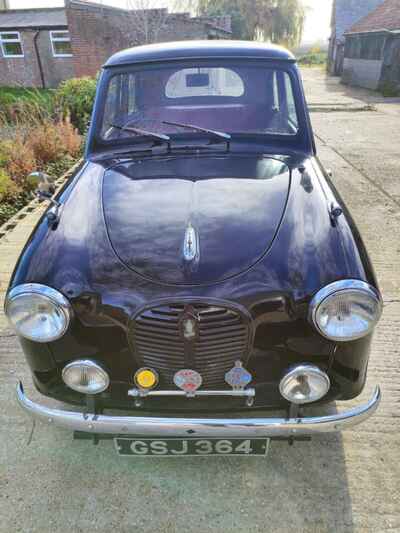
[90, 364]
[343, 286]
[55, 296]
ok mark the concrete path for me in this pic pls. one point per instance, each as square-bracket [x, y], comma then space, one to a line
[327, 93]
[336, 483]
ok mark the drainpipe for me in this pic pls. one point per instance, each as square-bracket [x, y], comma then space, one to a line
[39, 61]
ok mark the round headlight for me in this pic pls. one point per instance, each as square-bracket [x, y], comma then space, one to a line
[37, 312]
[304, 384]
[346, 310]
[85, 376]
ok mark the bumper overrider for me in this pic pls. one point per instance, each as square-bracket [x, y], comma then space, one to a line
[246, 427]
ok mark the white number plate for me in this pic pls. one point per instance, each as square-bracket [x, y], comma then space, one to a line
[193, 446]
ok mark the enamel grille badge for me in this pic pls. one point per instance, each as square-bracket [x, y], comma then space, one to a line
[188, 380]
[238, 377]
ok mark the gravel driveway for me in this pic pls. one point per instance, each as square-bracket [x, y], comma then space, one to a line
[336, 483]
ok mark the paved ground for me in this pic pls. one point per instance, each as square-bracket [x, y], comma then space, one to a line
[337, 483]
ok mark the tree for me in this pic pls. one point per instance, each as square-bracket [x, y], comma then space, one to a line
[280, 21]
[149, 17]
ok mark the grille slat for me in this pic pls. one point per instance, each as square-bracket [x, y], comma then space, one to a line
[223, 338]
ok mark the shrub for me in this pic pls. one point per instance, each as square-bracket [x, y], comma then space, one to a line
[25, 106]
[52, 141]
[20, 159]
[75, 98]
[313, 58]
[8, 208]
[9, 190]
[390, 89]
[36, 137]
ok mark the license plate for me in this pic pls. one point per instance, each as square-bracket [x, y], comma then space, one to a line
[190, 447]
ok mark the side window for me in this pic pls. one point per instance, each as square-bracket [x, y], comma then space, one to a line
[132, 103]
[276, 92]
[112, 105]
[290, 101]
[11, 44]
[121, 102]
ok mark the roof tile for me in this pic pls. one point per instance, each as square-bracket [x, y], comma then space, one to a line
[385, 17]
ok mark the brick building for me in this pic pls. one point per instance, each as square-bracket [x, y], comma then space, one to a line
[42, 47]
[372, 49]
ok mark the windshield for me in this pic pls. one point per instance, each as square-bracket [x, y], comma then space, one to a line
[232, 99]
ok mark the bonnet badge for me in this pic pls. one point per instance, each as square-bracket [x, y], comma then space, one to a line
[190, 244]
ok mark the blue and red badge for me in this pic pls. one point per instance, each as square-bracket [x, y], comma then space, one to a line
[238, 377]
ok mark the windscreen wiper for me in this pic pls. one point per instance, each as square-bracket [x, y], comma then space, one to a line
[158, 137]
[221, 135]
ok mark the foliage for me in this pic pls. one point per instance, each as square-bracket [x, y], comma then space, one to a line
[19, 158]
[8, 188]
[53, 140]
[12, 95]
[35, 140]
[21, 105]
[390, 89]
[12, 198]
[313, 57]
[280, 21]
[10, 208]
[75, 98]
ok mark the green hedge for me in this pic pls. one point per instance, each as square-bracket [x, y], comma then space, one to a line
[75, 97]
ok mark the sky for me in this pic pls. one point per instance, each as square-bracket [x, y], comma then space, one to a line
[316, 27]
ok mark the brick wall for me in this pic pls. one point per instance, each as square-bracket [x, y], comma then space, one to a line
[24, 71]
[98, 32]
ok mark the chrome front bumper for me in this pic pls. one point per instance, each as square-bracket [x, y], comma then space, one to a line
[145, 426]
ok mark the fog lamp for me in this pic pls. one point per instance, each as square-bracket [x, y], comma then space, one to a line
[146, 378]
[85, 376]
[304, 384]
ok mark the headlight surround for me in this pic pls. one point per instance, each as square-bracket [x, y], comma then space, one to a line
[37, 312]
[346, 310]
[85, 376]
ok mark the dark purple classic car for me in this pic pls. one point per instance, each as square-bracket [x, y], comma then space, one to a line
[200, 269]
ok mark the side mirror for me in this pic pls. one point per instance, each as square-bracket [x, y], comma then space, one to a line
[43, 183]
[45, 190]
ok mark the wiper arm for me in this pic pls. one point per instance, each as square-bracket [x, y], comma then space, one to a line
[218, 134]
[150, 134]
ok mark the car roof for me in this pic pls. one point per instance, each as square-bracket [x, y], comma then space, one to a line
[199, 50]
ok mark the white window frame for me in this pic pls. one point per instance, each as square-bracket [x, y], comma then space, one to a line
[54, 39]
[11, 41]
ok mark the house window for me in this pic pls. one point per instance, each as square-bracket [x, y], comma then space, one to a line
[11, 44]
[61, 43]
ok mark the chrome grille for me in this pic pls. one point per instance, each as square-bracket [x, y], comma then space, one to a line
[223, 338]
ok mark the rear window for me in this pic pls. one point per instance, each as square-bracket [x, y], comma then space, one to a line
[192, 82]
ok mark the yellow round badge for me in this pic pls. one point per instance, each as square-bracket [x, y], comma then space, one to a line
[146, 378]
